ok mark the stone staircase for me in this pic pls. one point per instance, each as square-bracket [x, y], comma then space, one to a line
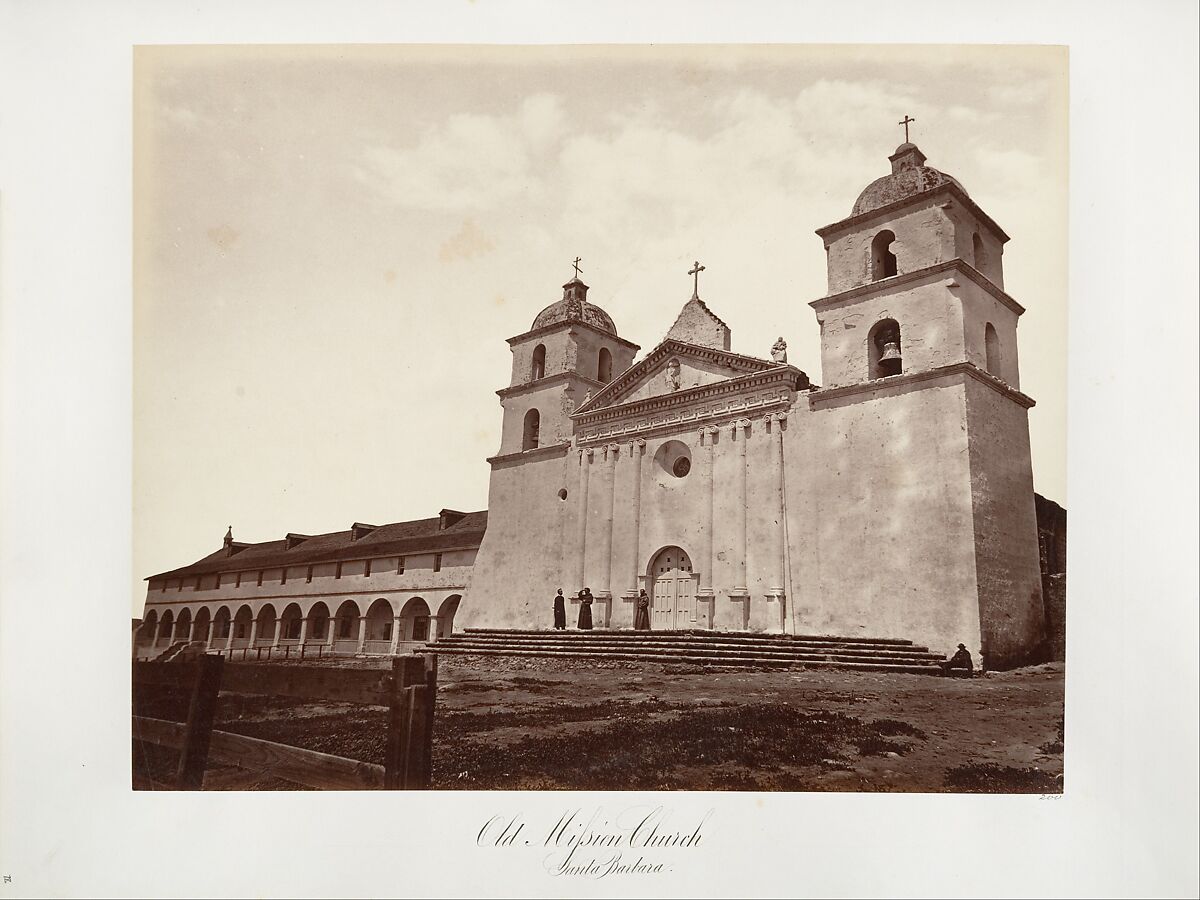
[708, 648]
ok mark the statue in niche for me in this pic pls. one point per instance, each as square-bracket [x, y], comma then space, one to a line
[673, 374]
[779, 351]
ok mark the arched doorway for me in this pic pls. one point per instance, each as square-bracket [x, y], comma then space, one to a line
[243, 625]
[183, 625]
[346, 628]
[148, 631]
[266, 627]
[318, 623]
[672, 590]
[290, 624]
[201, 626]
[445, 616]
[166, 628]
[222, 625]
[379, 627]
[414, 620]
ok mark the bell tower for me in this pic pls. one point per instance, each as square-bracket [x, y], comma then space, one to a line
[916, 281]
[572, 350]
[921, 384]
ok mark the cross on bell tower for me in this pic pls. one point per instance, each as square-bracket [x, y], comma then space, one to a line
[905, 122]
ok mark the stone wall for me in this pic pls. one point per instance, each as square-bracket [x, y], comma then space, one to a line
[1052, 544]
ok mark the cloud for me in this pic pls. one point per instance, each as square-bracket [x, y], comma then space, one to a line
[466, 244]
[470, 161]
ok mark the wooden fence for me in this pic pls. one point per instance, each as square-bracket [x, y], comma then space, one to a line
[174, 705]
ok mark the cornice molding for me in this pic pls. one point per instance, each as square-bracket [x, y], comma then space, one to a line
[547, 452]
[784, 374]
[913, 200]
[547, 381]
[816, 398]
[607, 425]
[568, 327]
[885, 285]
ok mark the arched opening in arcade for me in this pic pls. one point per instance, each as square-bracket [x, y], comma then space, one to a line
[414, 620]
[445, 616]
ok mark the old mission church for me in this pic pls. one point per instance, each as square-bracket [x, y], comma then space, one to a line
[893, 500]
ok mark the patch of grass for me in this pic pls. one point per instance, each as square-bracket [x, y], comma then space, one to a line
[1055, 747]
[636, 753]
[990, 778]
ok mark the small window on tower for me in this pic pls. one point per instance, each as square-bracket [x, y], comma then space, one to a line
[604, 366]
[400, 566]
[978, 252]
[883, 259]
[531, 434]
[539, 363]
[437, 562]
[991, 345]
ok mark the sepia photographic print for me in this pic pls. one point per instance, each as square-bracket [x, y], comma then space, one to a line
[600, 418]
[504, 448]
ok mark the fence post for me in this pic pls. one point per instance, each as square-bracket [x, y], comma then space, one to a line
[416, 769]
[406, 671]
[201, 712]
[431, 673]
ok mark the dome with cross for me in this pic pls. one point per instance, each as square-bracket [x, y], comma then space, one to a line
[574, 307]
[910, 176]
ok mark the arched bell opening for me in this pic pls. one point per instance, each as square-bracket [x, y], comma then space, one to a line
[883, 348]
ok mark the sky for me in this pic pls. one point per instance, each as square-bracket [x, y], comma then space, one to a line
[331, 244]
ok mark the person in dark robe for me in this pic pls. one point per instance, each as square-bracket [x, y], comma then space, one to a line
[560, 611]
[960, 663]
[585, 609]
[641, 618]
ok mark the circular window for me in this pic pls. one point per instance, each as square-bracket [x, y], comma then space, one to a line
[672, 460]
[562, 495]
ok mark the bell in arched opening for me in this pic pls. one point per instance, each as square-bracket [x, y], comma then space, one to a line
[887, 343]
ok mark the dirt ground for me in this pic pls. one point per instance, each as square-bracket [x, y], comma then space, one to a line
[546, 724]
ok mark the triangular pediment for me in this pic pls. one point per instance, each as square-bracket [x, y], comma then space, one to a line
[671, 367]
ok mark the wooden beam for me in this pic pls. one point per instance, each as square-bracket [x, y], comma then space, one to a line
[307, 767]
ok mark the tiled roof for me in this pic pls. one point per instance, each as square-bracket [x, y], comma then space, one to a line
[399, 538]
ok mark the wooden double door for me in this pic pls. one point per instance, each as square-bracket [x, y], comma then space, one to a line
[673, 594]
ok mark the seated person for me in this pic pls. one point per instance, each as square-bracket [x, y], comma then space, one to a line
[959, 664]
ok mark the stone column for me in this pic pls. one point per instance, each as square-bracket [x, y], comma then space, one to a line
[208, 633]
[776, 549]
[585, 464]
[253, 632]
[278, 631]
[304, 630]
[739, 592]
[705, 595]
[637, 450]
[397, 624]
[232, 633]
[330, 632]
[608, 482]
[433, 629]
[362, 634]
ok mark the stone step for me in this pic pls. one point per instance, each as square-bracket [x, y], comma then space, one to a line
[722, 662]
[711, 639]
[628, 633]
[714, 639]
[711, 649]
